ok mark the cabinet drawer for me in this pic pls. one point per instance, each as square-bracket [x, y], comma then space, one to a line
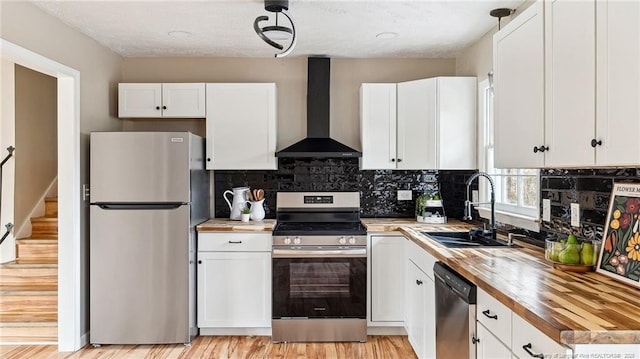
[234, 242]
[495, 316]
[529, 341]
[421, 258]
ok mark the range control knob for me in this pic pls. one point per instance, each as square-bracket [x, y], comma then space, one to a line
[287, 240]
[296, 240]
[352, 240]
[342, 240]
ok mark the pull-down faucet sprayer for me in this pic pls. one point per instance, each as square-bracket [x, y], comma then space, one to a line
[468, 203]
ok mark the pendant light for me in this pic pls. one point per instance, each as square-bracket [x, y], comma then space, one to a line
[278, 31]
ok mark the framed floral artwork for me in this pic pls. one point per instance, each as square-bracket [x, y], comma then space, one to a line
[620, 251]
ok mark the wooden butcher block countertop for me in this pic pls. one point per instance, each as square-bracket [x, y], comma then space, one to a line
[571, 308]
[225, 224]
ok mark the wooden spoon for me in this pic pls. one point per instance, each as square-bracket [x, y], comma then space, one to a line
[249, 196]
[260, 194]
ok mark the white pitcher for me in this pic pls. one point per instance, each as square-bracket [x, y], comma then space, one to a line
[238, 202]
[257, 210]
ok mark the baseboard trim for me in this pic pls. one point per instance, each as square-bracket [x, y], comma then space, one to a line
[386, 331]
[236, 331]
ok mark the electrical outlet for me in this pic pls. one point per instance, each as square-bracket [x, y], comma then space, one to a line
[475, 196]
[575, 215]
[404, 195]
[546, 210]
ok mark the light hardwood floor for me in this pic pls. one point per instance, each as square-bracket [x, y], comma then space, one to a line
[383, 347]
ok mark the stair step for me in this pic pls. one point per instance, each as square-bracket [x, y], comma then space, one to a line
[36, 236]
[44, 225]
[51, 207]
[25, 273]
[28, 332]
[22, 306]
[28, 248]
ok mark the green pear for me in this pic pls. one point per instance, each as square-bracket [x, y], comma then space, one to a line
[572, 239]
[570, 255]
[587, 254]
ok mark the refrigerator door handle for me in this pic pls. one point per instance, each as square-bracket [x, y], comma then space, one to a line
[120, 206]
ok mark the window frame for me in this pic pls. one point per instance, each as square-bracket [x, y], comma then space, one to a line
[517, 215]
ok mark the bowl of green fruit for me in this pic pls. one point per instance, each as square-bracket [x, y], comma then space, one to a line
[572, 254]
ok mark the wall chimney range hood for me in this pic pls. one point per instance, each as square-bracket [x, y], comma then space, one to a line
[318, 143]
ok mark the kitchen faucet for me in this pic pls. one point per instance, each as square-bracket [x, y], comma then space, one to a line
[468, 203]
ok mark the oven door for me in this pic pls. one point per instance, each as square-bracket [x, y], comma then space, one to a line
[323, 282]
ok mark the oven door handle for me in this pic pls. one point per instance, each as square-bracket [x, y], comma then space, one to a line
[319, 253]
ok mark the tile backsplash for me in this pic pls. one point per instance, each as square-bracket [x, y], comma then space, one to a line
[378, 188]
[591, 188]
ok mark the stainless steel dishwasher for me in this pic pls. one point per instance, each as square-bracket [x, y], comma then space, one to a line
[455, 314]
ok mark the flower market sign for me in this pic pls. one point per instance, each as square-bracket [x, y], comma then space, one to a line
[620, 253]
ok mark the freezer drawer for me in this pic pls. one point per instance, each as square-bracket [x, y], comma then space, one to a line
[131, 167]
[139, 276]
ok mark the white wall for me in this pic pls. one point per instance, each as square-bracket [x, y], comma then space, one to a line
[100, 70]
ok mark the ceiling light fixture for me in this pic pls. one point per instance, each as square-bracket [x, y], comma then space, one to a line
[179, 34]
[277, 31]
[387, 35]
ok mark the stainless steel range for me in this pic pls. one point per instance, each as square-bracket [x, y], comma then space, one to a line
[319, 268]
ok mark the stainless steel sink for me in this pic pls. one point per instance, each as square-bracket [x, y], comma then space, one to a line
[467, 240]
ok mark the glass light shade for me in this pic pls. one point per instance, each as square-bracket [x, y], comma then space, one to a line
[277, 32]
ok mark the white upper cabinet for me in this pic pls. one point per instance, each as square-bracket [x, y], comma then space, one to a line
[378, 126]
[618, 78]
[590, 80]
[570, 82]
[431, 127]
[519, 91]
[154, 100]
[241, 126]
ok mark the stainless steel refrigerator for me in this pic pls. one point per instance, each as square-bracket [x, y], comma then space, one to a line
[148, 192]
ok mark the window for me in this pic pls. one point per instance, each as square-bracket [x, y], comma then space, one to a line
[516, 190]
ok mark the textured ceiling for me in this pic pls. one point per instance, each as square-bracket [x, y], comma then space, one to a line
[224, 28]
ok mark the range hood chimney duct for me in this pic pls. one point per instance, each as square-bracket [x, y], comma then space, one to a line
[318, 143]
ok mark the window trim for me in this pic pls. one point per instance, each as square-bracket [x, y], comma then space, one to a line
[504, 213]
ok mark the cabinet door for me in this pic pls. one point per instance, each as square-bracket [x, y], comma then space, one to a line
[488, 346]
[378, 126]
[570, 82]
[241, 126]
[416, 124]
[139, 100]
[387, 278]
[234, 289]
[618, 97]
[519, 90]
[416, 310]
[456, 123]
[183, 100]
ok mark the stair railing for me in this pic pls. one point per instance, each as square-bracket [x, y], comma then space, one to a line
[9, 226]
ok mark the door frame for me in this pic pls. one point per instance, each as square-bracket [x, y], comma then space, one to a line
[71, 294]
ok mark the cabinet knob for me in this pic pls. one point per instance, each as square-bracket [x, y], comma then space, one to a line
[157, 107]
[475, 340]
[418, 282]
[527, 348]
[487, 314]
[540, 149]
[208, 159]
[595, 143]
[164, 107]
[399, 159]
[199, 262]
[393, 160]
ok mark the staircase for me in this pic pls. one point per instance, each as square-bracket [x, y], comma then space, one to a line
[29, 285]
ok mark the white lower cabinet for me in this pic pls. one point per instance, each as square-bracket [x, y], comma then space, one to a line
[529, 342]
[420, 308]
[488, 346]
[234, 283]
[386, 260]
